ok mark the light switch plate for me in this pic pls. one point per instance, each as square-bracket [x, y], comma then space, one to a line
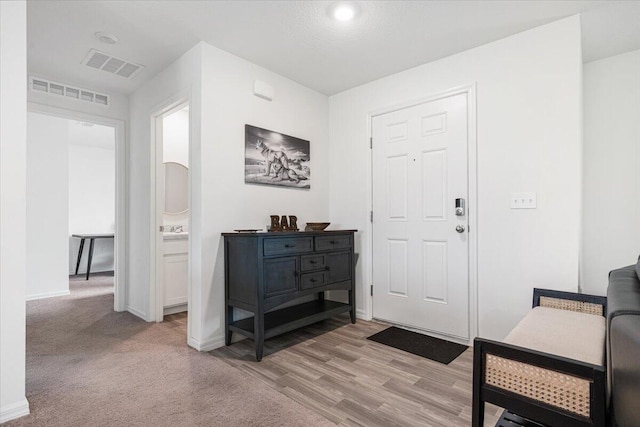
[523, 201]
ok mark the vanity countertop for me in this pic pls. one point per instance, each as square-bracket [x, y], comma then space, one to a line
[184, 235]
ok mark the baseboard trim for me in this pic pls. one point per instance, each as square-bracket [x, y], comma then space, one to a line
[362, 314]
[136, 312]
[175, 309]
[15, 410]
[47, 295]
[208, 345]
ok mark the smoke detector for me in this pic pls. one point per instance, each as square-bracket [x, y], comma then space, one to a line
[111, 64]
[107, 38]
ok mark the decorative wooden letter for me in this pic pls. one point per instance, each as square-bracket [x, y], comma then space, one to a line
[284, 225]
[293, 223]
[275, 223]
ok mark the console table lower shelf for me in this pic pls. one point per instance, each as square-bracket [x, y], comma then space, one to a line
[285, 320]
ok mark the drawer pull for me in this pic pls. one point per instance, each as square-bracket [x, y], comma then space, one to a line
[289, 246]
[313, 280]
[333, 242]
[313, 262]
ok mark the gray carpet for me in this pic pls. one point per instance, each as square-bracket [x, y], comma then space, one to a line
[90, 366]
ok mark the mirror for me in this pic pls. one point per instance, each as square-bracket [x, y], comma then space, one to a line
[176, 188]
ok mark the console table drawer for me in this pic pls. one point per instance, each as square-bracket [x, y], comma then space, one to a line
[313, 280]
[312, 262]
[287, 245]
[328, 243]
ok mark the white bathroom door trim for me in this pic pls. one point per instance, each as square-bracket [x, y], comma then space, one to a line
[472, 210]
[121, 227]
[156, 283]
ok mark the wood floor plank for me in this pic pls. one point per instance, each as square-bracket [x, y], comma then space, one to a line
[331, 368]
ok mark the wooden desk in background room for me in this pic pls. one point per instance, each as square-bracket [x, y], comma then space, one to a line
[92, 238]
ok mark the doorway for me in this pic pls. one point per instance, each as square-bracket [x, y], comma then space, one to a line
[172, 212]
[76, 171]
[424, 205]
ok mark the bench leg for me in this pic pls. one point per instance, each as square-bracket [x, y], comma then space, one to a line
[477, 408]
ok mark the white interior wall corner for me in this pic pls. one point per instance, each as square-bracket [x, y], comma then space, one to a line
[611, 189]
[13, 138]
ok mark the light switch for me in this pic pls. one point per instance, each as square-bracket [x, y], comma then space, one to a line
[523, 200]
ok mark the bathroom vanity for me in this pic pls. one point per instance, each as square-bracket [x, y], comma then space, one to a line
[175, 267]
[265, 272]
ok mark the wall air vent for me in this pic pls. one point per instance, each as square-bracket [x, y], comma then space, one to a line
[59, 89]
[111, 64]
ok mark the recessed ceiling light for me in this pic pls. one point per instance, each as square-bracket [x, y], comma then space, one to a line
[344, 12]
[107, 38]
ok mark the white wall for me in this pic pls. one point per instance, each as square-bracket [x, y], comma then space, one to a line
[611, 188]
[92, 193]
[47, 206]
[227, 202]
[175, 137]
[13, 150]
[528, 139]
[181, 76]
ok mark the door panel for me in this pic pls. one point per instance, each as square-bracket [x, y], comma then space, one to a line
[420, 261]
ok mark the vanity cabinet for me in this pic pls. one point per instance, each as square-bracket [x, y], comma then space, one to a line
[264, 271]
[175, 271]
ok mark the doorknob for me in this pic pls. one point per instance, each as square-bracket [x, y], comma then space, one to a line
[460, 228]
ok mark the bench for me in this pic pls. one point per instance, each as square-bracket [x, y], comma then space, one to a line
[550, 369]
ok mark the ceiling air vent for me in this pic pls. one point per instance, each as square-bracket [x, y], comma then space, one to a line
[111, 64]
[41, 85]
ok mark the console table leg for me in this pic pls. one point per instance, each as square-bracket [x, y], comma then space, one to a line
[352, 302]
[258, 335]
[320, 296]
[228, 320]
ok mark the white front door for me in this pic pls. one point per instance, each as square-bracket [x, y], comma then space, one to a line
[420, 259]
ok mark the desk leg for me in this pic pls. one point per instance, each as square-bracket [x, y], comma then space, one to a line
[90, 257]
[79, 255]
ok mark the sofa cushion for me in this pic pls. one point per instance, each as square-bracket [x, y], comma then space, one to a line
[564, 333]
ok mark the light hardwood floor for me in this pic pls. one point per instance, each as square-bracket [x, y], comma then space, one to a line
[331, 368]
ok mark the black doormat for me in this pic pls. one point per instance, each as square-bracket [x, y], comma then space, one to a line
[423, 345]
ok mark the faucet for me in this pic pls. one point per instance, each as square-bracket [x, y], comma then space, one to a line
[172, 228]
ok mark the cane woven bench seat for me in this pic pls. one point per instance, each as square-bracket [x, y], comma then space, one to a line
[564, 333]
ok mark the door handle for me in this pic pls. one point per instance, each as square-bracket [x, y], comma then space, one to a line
[460, 228]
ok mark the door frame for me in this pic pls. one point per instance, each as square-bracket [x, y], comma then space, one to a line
[156, 282]
[122, 232]
[472, 205]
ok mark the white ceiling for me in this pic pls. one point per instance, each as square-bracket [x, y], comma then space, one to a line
[298, 39]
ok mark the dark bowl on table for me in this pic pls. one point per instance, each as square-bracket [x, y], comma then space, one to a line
[316, 226]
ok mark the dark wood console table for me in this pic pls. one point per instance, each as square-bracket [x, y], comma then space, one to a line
[265, 270]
